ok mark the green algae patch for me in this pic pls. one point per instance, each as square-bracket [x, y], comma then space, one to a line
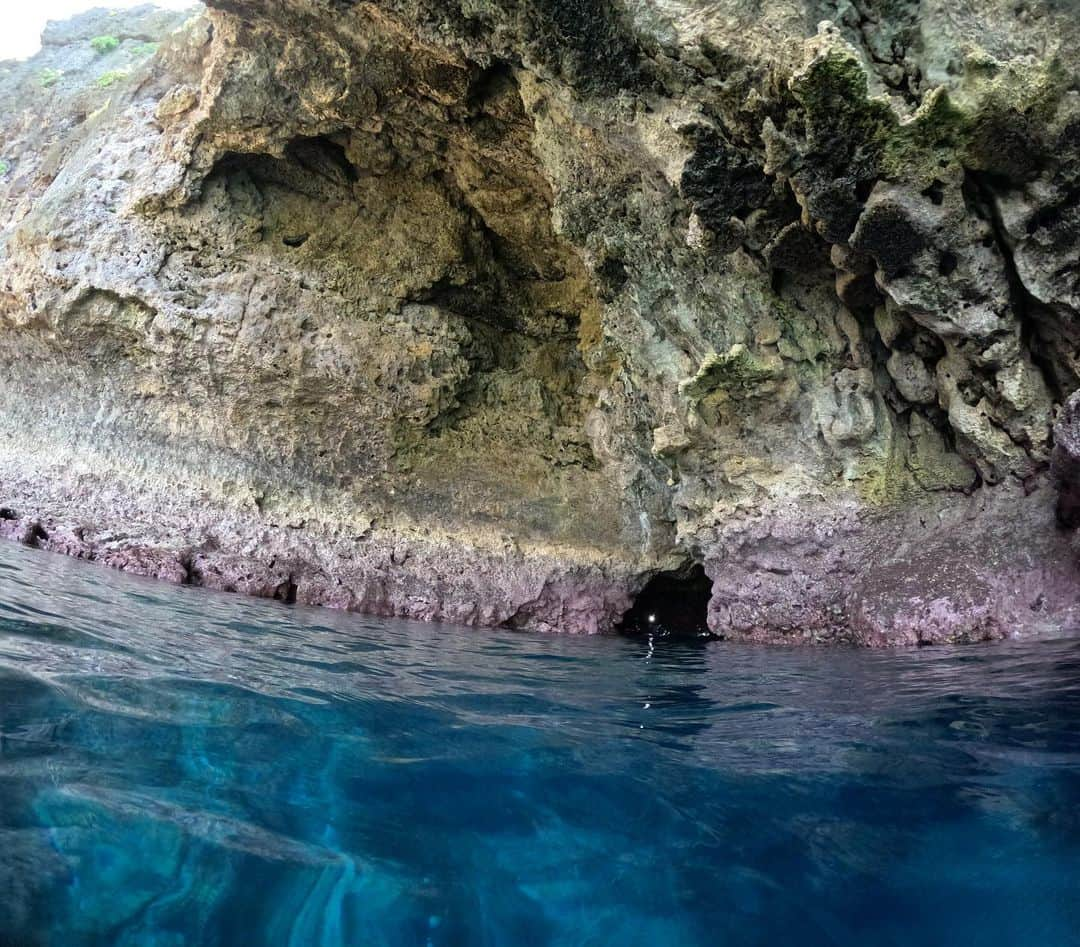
[910, 465]
[994, 122]
[933, 466]
[887, 484]
[881, 478]
[937, 137]
[835, 95]
[802, 340]
[1014, 105]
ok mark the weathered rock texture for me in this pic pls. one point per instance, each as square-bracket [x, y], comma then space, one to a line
[490, 310]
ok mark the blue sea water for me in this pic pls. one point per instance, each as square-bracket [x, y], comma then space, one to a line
[181, 768]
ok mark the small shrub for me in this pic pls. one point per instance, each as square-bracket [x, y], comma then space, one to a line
[111, 78]
[49, 77]
[104, 44]
[145, 50]
[4, 168]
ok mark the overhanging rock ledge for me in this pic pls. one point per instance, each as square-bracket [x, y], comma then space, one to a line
[489, 311]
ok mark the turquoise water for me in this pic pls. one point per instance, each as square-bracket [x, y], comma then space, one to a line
[182, 768]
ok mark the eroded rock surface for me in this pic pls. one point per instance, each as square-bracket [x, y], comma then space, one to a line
[490, 311]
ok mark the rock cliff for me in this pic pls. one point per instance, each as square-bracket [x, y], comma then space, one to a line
[495, 311]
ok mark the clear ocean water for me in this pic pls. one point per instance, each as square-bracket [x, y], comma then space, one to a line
[183, 768]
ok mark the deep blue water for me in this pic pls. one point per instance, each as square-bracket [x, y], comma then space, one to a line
[183, 768]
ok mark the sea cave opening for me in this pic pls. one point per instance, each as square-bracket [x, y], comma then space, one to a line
[672, 604]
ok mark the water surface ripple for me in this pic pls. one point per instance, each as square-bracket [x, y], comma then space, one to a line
[179, 768]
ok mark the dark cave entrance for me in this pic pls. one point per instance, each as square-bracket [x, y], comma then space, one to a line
[672, 604]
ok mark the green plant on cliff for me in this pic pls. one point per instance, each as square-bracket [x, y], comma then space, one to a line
[104, 44]
[110, 78]
[47, 78]
[4, 168]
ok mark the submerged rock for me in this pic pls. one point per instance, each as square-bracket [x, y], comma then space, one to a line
[491, 312]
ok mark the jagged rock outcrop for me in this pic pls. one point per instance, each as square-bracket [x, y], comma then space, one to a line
[490, 311]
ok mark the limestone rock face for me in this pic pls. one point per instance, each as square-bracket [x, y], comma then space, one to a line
[488, 311]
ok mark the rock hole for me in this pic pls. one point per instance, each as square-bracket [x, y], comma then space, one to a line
[6, 513]
[947, 263]
[187, 563]
[286, 592]
[672, 604]
[936, 192]
[497, 79]
[35, 535]
[863, 190]
[295, 240]
[613, 275]
[323, 157]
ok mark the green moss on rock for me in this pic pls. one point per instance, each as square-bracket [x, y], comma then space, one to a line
[834, 93]
[936, 138]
